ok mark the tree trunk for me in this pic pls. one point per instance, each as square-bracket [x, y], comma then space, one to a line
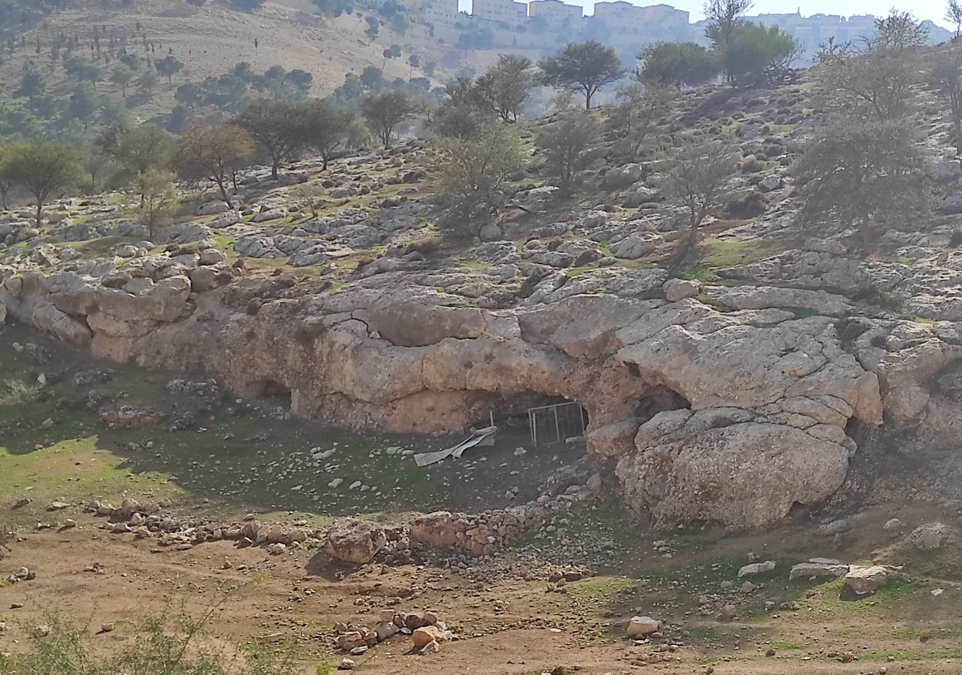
[588, 99]
[223, 193]
[274, 169]
[693, 232]
[866, 240]
[39, 212]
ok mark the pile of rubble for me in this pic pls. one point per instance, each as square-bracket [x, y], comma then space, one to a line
[426, 630]
[360, 542]
[144, 521]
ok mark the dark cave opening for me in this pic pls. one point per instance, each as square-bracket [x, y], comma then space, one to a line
[274, 393]
[659, 399]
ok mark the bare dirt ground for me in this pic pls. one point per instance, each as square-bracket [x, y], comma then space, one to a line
[506, 620]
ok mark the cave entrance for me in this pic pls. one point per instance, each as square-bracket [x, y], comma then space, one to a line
[659, 399]
[274, 393]
[557, 422]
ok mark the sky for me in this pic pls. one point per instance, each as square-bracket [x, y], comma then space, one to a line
[922, 9]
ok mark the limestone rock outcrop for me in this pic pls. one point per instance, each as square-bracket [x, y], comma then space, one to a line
[724, 417]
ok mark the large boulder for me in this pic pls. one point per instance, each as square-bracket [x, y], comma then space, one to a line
[721, 466]
[636, 245]
[930, 536]
[355, 541]
[624, 175]
[868, 579]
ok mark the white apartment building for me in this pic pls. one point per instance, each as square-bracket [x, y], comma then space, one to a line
[436, 11]
[506, 11]
[554, 12]
[665, 15]
[620, 15]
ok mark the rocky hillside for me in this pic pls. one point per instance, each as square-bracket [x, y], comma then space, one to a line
[209, 41]
[768, 367]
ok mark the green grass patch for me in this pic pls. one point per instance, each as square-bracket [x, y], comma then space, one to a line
[905, 316]
[712, 302]
[800, 312]
[786, 644]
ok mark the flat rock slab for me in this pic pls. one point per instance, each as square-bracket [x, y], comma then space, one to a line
[806, 570]
[756, 568]
[869, 579]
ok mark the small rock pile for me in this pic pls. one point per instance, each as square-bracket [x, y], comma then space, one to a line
[22, 574]
[489, 532]
[425, 629]
[360, 542]
[144, 521]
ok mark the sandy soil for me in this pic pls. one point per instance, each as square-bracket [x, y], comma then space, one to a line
[507, 625]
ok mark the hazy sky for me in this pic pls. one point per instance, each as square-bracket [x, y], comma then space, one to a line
[923, 9]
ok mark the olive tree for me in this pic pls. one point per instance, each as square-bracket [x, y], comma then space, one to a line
[875, 79]
[681, 64]
[160, 199]
[641, 107]
[6, 183]
[698, 172]
[384, 110]
[42, 169]
[724, 17]
[140, 149]
[461, 113]
[567, 147]
[505, 86]
[858, 172]
[213, 153]
[327, 126]
[472, 177]
[281, 128]
[756, 54]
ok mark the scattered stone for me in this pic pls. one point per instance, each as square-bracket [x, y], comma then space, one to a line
[679, 289]
[868, 579]
[432, 647]
[355, 541]
[728, 613]
[425, 635]
[642, 625]
[346, 664]
[756, 568]
[930, 536]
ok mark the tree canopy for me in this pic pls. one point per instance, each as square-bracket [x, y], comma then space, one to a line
[860, 172]
[681, 64]
[583, 67]
[213, 153]
[385, 110]
[42, 168]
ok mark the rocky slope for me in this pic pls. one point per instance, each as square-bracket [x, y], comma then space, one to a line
[728, 399]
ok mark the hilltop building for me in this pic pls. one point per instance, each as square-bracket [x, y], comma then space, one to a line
[504, 11]
[444, 12]
[554, 12]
